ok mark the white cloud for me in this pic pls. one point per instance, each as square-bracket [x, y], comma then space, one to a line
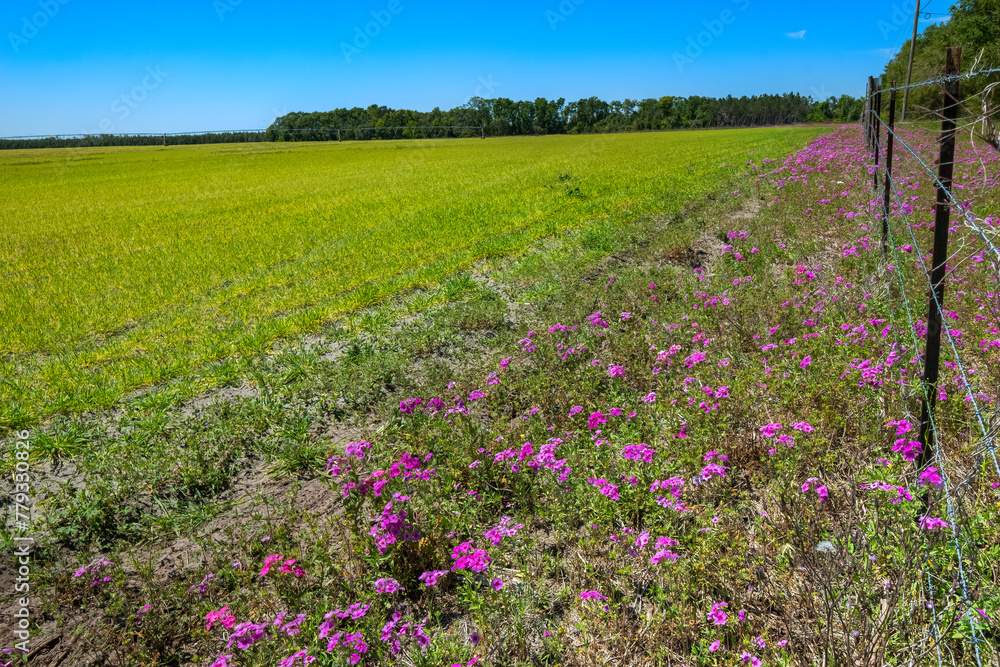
[801, 34]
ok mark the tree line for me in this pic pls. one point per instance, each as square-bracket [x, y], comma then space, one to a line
[94, 140]
[505, 117]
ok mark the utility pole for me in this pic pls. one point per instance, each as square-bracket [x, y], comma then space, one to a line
[909, 66]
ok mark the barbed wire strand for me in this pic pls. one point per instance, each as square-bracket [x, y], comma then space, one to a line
[937, 448]
[942, 79]
[967, 215]
[969, 218]
[923, 387]
[920, 362]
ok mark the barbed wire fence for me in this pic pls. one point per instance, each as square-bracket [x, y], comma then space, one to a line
[893, 204]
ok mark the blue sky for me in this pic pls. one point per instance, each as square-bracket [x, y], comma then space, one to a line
[73, 66]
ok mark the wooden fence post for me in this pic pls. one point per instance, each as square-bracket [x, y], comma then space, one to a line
[888, 168]
[942, 216]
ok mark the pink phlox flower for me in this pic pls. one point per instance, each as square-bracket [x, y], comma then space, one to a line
[596, 321]
[803, 426]
[202, 588]
[526, 451]
[786, 440]
[694, 358]
[931, 477]
[246, 635]
[497, 533]
[674, 484]
[932, 523]
[910, 449]
[821, 490]
[93, 567]
[591, 595]
[716, 615]
[768, 430]
[138, 615]
[357, 449]
[713, 469]
[902, 426]
[715, 646]
[268, 562]
[661, 554]
[431, 577]
[610, 491]
[901, 493]
[638, 452]
[805, 361]
[409, 405]
[287, 567]
[642, 539]
[291, 628]
[596, 419]
[476, 560]
[388, 585]
[220, 616]
[292, 659]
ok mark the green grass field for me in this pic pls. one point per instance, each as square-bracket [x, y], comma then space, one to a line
[127, 267]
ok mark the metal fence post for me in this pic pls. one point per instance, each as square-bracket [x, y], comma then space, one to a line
[942, 215]
[868, 112]
[876, 120]
[888, 167]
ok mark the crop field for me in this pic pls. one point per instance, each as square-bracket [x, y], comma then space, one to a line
[127, 267]
[648, 440]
